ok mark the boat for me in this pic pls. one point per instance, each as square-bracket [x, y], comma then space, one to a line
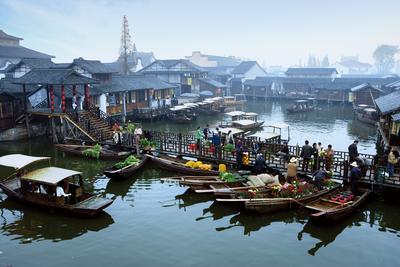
[302, 106]
[178, 165]
[127, 171]
[107, 152]
[366, 114]
[38, 187]
[336, 205]
[243, 121]
[236, 100]
[180, 114]
[272, 204]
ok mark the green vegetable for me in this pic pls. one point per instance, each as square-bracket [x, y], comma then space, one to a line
[131, 160]
[229, 147]
[93, 152]
[228, 177]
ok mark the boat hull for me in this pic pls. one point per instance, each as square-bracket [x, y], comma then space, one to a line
[77, 150]
[125, 173]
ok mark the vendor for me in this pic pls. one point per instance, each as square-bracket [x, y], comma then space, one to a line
[260, 164]
[319, 176]
[355, 176]
[291, 170]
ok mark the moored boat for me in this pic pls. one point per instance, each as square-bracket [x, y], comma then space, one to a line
[336, 205]
[243, 121]
[178, 165]
[270, 204]
[302, 106]
[50, 188]
[106, 152]
[367, 114]
[122, 173]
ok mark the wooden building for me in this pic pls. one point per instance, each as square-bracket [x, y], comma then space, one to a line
[246, 70]
[217, 88]
[182, 73]
[329, 73]
[140, 92]
[365, 94]
[389, 123]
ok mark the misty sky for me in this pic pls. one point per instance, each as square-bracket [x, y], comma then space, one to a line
[272, 32]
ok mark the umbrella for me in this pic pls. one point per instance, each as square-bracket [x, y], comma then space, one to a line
[189, 95]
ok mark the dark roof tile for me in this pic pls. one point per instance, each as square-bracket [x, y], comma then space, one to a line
[20, 52]
[310, 71]
[388, 103]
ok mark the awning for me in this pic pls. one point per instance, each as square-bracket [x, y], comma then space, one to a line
[49, 175]
[251, 114]
[18, 161]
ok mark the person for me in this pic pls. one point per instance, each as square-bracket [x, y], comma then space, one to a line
[239, 155]
[329, 153]
[315, 156]
[216, 141]
[260, 164]
[291, 170]
[353, 151]
[319, 177]
[199, 136]
[355, 176]
[320, 147]
[61, 193]
[392, 160]
[137, 134]
[285, 151]
[206, 131]
[230, 137]
[115, 127]
[306, 152]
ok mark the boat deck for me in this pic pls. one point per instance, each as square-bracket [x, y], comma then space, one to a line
[93, 203]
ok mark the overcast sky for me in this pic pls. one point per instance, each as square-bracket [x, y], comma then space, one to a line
[272, 32]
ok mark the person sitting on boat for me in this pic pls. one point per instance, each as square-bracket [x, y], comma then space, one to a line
[40, 190]
[291, 170]
[60, 192]
[260, 164]
[319, 176]
[355, 176]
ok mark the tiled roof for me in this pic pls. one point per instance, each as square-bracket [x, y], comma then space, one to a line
[170, 63]
[310, 71]
[20, 52]
[244, 67]
[92, 66]
[34, 63]
[365, 86]
[4, 35]
[54, 76]
[212, 82]
[8, 85]
[388, 103]
[122, 83]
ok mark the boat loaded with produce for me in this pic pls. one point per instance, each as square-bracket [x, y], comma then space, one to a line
[126, 168]
[96, 152]
[183, 166]
[281, 197]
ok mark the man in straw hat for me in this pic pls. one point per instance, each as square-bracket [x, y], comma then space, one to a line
[355, 176]
[292, 170]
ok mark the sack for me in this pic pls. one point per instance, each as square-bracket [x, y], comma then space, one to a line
[255, 181]
[268, 179]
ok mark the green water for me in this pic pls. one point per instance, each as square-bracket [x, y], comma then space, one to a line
[155, 223]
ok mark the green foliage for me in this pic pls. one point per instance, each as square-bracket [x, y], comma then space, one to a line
[131, 160]
[384, 56]
[130, 127]
[93, 152]
[228, 177]
[146, 143]
[229, 147]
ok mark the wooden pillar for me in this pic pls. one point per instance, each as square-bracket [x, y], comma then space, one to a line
[51, 98]
[28, 127]
[48, 96]
[63, 107]
[87, 96]
[123, 108]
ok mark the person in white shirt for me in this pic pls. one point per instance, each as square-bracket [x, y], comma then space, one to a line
[60, 192]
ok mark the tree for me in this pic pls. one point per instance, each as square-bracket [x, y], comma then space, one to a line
[384, 58]
[126, 46]
[312, 62]
[325, 62]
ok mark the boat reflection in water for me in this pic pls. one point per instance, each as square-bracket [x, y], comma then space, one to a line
[29, 225]
[189, 198]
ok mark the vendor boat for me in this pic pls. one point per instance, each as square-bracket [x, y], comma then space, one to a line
[178, 165]
[127, 171]
[336, 205]
[39, 187]
[106, 152]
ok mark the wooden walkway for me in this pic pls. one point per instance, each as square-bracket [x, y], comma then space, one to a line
[183, 144]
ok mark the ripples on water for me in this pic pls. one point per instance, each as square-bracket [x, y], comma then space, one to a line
[156, 223]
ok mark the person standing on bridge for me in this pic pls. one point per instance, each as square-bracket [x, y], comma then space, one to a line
[353, 151]
[199, 137]
[306, 153]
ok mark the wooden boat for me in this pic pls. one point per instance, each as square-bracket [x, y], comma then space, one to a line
[243, 121]
[271, 204]
[178, 165]
[39, 188]
[367, 114]
[326, 209]
[302, 106]
[107, 152]
[128, 171]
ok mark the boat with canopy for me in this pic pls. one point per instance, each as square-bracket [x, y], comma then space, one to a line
[50, 188]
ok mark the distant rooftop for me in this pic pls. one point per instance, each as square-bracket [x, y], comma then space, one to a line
[244, 67]
[6, 36]
[311, 71]
[20, 52]
[93, 66]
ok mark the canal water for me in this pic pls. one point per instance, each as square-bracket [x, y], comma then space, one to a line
[155, 223]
